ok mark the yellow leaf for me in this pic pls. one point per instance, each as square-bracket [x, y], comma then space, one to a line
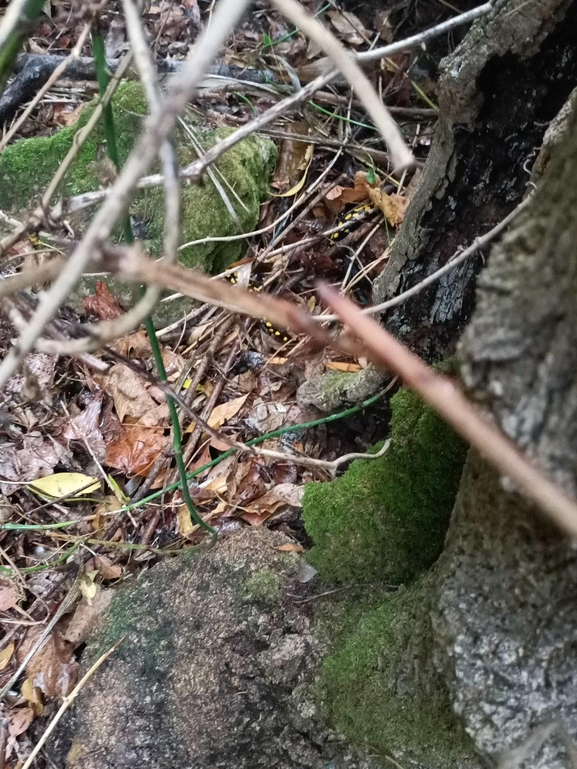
[64, 485]
[33, 695]
[87, 585]
[300, 184]
[6, 655]
[118, 493]
[337, 365]
[291, 547]
[220, 414]
[185, 525]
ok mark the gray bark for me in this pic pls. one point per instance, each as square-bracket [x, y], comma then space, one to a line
[505, 613]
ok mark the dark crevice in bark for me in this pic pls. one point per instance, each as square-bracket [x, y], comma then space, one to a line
[520, 97]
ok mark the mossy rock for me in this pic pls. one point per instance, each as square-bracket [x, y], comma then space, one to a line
[378, 688]
[386, 519]
[28, 165]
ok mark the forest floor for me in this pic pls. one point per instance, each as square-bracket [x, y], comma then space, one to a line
[85, 457]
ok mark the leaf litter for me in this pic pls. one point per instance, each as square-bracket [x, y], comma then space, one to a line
[111, 430]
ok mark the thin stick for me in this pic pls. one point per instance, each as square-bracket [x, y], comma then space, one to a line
[68, 701]
[451, 404]
[227, 14]
[457, 259]
[195, 169]
[402, 157]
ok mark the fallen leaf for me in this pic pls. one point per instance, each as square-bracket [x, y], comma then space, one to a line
[85, 427]
[136, 449]
[38, 456]
[349, 27]
[86, 616]
[105, 567]
[266, 417]
[8, 596]
[19, 719]
[64, 485]
[39, 365]
[52, 669]
[185, 524]
[6, 655]
[102, 303]
[225, 411]
[135, 345]
[87, 585]
[337, 365]
[130, 396]
[383, 26]
[393, 206]
[33, 695]
[291, 547]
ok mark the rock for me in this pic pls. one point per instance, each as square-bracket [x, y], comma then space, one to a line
[215, 669]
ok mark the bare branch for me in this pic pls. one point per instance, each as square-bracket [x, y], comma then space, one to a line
[157, 130]
[402, 157]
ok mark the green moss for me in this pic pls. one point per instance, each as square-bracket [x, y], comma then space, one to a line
[386, 519]
[371, 691]
[27, 166]
[264, 586]
[247, 168]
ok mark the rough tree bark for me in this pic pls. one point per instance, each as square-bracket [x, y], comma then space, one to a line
[505, 611]
[499, 90]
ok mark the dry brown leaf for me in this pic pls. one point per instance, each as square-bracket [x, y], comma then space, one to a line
[102, 303]
[6, 655]
[8, 595]
[38, 456]
[219, 445]
[52, 669]
[40, 366]
[225, 411]
[384, 26]
[135, 345]
[291, 547]
[19, 719]
[349, 27]
[136, 449]
[86, 426]
[128, 391]
[393, 206]
[86, 616]
[105, 567]
[337, 365]
[33, 695]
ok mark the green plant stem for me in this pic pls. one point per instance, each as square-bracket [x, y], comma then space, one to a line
[30, 12]
[254, 442]
[112, 150]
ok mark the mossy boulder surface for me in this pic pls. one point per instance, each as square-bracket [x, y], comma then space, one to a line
[378, 687]
[386, 519]
[27, 166]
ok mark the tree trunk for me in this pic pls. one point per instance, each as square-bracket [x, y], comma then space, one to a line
[505, 611]
[499, 89]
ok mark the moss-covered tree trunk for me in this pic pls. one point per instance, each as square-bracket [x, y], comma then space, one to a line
[505, 612]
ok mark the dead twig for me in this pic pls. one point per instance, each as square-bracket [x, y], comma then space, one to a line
[157, 130]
